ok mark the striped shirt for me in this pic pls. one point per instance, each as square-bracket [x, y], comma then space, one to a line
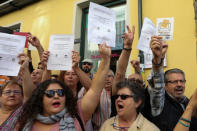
[102, 112]
[10, 123]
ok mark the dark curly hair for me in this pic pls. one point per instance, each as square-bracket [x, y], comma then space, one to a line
[34, 105]
[135, 88]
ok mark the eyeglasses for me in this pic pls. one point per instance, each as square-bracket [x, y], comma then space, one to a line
[87, 63]
[123, 96]
[51, 93]
[176, 81]
[9, 92]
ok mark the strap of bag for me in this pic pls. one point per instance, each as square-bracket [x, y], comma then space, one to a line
[80, 122]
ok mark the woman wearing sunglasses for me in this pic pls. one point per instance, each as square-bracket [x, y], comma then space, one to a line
[53, 106]
[129, 102]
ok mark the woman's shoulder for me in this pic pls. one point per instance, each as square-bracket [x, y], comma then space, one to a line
[148, 125]
[108, 124]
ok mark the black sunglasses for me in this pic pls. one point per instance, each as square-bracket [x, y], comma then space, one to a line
[123, 96]
[51, 93]
[87, 63]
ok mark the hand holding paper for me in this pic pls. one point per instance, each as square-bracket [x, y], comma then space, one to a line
[105, 51]
[45, 57]
[33, 40]
[75, 58]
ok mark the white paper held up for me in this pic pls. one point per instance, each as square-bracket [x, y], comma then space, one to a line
[101, 25]
[10, 47]
[148, 30]
[60, 47]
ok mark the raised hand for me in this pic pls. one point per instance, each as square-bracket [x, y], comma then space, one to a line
[164, 48]
[24, 62]
[159, 49]
[75, 58]
[45, 57]
[128, 37]
[33, 40]
[156, 46]
[136, 65]
[105, 51]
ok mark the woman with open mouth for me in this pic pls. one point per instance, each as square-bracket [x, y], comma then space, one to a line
[53, 107]
[129, 102]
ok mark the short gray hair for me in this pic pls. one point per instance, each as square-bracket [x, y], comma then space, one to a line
[174, 70]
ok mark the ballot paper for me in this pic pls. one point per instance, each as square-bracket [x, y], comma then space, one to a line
[10, 47]
[101, 25]
[148, 30]
[165, 28]
[60, 47]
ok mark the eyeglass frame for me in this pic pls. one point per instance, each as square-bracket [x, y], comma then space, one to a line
[15, 92]
[86, 63]
[53, 92]
[176, 81]
[123, 96]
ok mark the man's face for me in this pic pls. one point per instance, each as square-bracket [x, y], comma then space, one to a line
[86, 67]
[36, 76]
[175, 85]
[137, 78]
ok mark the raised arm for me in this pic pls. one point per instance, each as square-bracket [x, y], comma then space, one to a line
[156, 80]
[92, 97]
[27, 82]
[124, 58]
[83, 77]
[191, 110]
[36, 43]
[136, 66]
[46, 73]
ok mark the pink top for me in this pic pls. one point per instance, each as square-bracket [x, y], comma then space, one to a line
[55, 127]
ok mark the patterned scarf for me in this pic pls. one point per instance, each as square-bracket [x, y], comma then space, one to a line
[66, 121]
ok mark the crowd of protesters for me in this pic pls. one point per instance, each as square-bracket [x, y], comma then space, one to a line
[37, 100]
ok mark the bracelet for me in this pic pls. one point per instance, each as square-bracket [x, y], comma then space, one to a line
[186, 120]
[185, 125]
[160, 64]
[127, 49]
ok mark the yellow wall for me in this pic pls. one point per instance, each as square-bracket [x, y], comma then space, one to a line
[56, 17]
[43, 19]
[182, 49]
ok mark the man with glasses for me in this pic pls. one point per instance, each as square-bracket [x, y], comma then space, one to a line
[166, 90]
[87, 65]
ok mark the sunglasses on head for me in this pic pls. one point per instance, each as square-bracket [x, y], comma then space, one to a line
[86, 63]
[123, 96]
[51, 93]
